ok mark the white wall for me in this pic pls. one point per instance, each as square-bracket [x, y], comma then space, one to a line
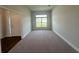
[16, 25]
[1, 21]
[25, 20]
[26, 23]
[26, 17]
[66, 24]
[0, 32]
[0, 28]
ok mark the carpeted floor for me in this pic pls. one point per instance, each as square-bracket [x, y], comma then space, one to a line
[42, 41]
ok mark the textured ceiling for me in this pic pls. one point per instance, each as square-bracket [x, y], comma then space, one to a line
[31, 7]
[40, 7]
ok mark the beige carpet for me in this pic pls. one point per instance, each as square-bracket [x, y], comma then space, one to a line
[42, 41]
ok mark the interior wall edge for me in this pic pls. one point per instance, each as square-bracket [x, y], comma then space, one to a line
[73, 46]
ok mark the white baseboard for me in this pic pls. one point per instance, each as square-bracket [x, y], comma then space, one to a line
[73, 46]
[25, 35]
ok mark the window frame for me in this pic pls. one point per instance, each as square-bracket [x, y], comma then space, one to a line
[41, 21]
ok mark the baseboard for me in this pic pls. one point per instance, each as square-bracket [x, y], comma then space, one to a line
[25, 35]
[73, 46]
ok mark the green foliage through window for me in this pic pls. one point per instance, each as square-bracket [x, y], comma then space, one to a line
[41, 21]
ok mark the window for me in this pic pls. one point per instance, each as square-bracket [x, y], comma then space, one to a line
[41, 20]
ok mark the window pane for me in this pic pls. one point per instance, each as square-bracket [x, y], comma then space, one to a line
[38, 24]
[41, 16]
[44, 24]
[41, 21]
[38, 19]
[44, 20]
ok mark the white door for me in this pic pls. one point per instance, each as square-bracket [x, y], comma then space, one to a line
[15, 25]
